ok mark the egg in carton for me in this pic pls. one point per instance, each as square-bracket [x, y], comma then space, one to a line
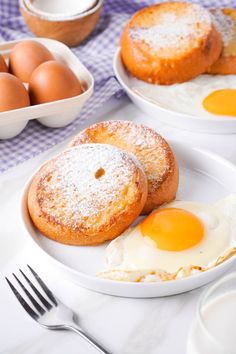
[51, 113]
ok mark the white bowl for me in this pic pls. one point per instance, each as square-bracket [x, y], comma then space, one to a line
[80, 9]
[53, 114]
[213, 124]
[203, 177]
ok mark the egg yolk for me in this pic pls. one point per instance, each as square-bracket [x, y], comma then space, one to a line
[222, 102]
[173, 229]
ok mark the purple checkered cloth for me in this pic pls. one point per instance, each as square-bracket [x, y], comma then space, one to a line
[96, 53]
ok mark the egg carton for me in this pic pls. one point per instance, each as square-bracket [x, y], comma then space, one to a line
[53, 114]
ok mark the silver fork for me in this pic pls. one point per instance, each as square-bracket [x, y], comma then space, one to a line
[48, 310]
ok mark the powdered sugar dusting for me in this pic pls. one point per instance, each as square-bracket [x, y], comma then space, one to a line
[224, 24]
[137, 135]
[72, 189]
[149, 147]
[174, 31]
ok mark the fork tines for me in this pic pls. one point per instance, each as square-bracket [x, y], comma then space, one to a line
[36, 304]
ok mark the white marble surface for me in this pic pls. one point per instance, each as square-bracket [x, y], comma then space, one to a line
[127, 326]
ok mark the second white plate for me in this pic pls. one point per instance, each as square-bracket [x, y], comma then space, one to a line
[197, 123]
[204, 177]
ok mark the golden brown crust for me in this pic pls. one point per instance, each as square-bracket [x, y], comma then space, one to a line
[170, 58]
[226, 20]
[72, 201]
[151, 149]
[224, 66]
[3, 65]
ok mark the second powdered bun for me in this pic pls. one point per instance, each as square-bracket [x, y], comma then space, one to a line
[153, 152]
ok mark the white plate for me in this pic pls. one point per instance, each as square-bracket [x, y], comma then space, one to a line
[212, 124]
[204, 176]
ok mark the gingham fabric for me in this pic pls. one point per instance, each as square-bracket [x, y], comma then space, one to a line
[96, 53]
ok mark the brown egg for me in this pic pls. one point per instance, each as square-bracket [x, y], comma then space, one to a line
[13, 94]
[53, 81]
[27, 56]
[3, 65]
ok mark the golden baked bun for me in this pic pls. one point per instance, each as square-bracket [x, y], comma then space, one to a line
[170, 42]
[225, 22]
[87, 195]
[150, 148]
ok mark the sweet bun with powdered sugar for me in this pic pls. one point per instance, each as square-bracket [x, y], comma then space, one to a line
[87, 195]
[170, 42]
[153, 152]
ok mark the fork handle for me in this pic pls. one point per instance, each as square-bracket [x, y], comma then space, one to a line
[87, 337]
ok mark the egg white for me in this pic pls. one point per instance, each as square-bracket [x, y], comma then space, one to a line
[185, 97]
[131, 251]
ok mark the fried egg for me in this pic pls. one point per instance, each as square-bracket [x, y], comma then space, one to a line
[204, 96]
[179, 235]
[221, 102]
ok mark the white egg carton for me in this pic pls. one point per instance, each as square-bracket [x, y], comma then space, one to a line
[53, 114]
